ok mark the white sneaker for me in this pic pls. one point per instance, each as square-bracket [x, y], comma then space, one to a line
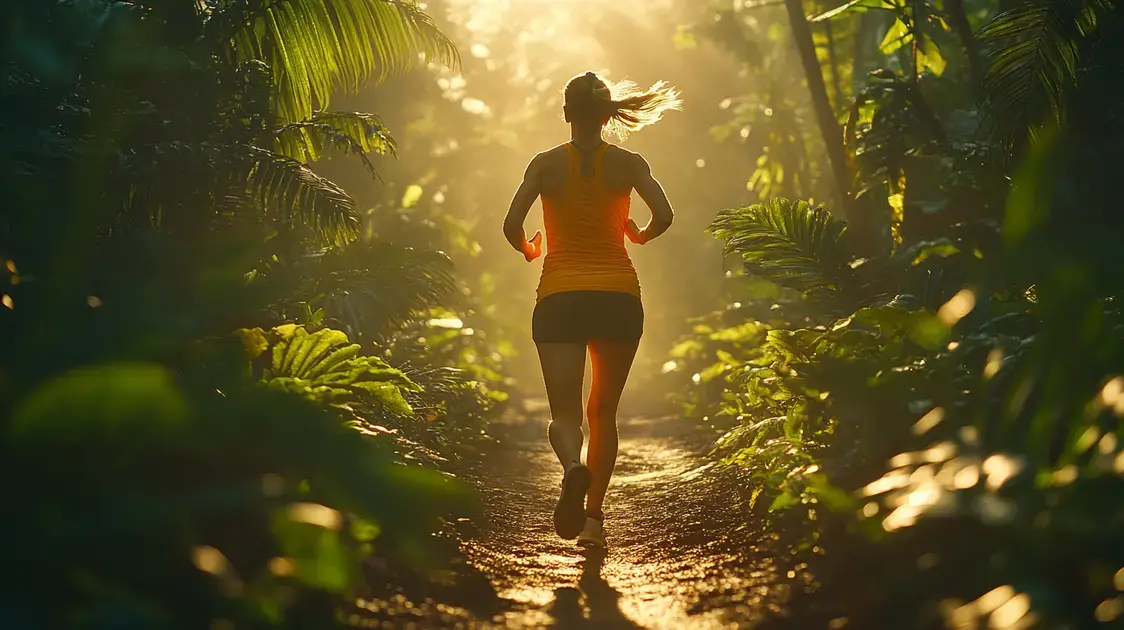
[593, 535]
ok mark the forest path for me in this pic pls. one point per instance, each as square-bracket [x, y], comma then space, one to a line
[680, 554]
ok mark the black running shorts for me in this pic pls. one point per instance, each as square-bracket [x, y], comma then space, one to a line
[579, 316]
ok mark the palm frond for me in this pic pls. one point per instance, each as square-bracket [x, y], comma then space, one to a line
[372, 287]
[791, 244]
[1035, 61]
[291, 193]
[169, 181]
[348, 132]
[318, 47]
[889, 120]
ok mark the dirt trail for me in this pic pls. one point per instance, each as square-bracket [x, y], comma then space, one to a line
[680, 555]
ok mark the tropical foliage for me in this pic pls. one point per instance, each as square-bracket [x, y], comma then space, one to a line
[218, 454]
[924, 397]
[239, 380]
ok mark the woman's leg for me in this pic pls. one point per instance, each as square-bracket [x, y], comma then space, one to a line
[611, 362]
[563, 368]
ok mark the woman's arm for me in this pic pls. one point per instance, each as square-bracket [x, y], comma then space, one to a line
[529, 190]
[654, 196]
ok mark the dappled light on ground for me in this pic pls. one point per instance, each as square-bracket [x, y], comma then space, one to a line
[677, 557]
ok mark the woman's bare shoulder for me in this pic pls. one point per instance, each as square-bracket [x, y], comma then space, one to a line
[551, 157]
[620, 151]
[623, 156]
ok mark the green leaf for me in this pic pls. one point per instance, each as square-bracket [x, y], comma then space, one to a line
[325, 367]
[292, 191]
[897, 36]
[747, 332]
[686, 348]
[412, 196]
[375, 286]
[254, 341]
[790, 244]
[784, 501]
[319, 556]
[129, 405]
[831, 496]
[317, 348]
[930, 58]
[1035, 61]
[941, 248]
[929, 332]
[1029, 203]
[349, 133]
[389, 396]
[319, 47]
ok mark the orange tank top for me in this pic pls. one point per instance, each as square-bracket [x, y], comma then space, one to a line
[585, 224]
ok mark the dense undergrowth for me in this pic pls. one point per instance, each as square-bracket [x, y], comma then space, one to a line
[223, 399]
[936, 421]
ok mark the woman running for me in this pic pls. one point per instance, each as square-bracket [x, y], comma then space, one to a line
[588, 295]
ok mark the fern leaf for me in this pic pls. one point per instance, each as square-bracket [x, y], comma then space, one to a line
[290, 351]
[389, 396]
[791, 244]
[320, 345]
[376, 286]
[332, 361]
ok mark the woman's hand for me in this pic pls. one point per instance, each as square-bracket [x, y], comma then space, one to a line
[533, 248]
[634, 233]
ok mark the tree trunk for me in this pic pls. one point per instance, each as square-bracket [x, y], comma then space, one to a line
[829, 127]
[958, 20]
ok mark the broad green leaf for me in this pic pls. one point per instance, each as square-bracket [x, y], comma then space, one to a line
[929, 57]
[1029, 204]
[130, 405]
[784, 501]
[412, 196]
[254, 341]
[746, 332]
[897, 36]
[941, 249]
[686, 348]
[831, 496]
[319, 557]
[929, 333]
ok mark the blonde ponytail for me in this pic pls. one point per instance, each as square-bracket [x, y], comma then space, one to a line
[591, 99]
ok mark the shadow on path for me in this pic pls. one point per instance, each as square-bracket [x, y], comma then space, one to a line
[680, 557]
[602, 602]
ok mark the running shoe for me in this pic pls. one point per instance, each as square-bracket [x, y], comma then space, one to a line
[569, 514]
[593, 535]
